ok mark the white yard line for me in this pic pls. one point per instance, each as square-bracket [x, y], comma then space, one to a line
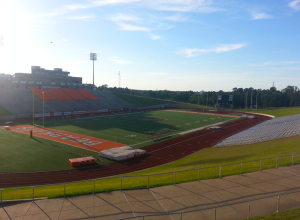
[197, 129]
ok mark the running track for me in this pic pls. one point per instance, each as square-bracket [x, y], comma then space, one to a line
[157, 154]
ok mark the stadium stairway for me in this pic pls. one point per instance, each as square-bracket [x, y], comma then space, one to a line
[87, 94]
[73, 94]
[58, 94]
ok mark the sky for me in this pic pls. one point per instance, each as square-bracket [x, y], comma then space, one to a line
[179, 45]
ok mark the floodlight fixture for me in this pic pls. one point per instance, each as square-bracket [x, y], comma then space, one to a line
[93, 57]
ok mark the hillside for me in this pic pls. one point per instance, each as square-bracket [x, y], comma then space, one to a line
[276, 112]
[144, 101]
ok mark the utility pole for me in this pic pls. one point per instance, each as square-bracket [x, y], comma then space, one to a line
[119, 80]
[251, 98]
[256, 98]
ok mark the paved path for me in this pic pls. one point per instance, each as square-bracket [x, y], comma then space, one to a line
[174, 198]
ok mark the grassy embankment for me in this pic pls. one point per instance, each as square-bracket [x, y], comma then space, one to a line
[206, 158]
[144, 101]
[293, 214]
[276, 112]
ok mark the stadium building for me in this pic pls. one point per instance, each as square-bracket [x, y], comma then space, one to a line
[42, 78]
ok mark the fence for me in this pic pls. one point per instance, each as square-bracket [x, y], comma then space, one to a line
[238, 210]
[146, 181]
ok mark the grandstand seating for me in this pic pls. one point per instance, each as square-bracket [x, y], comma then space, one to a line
[39, 93]
[111, 99]
[268, 130]
[73, 94]
[60, 95]
[20, 100]
[87, 94]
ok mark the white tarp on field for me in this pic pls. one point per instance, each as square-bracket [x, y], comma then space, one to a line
[121, 153]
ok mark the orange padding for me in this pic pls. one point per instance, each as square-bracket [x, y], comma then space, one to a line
[60, 95]
[73, 94]
[81, 161]
[87, 94]
[39, 93]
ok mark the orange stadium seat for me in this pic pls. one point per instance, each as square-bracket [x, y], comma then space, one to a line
[39, 93]
[60, 95]
[87, 94]
[73, 94]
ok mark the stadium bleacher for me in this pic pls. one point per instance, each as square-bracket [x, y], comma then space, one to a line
[73, 94]
[87, 94]
[20, 100]
[39, 93]
[268, 130]
[60, 95]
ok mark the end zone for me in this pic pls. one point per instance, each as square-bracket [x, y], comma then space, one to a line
[73, 139]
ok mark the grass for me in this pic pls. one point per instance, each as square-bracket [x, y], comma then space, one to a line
[4, 112]
[19, 153]
[145, 102]
[141, 101]
[276, 112]
[293, 214]
[211, 157]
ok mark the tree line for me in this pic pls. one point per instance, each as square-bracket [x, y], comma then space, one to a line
[242, 97]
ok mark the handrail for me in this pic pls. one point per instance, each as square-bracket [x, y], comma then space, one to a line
[147, 175]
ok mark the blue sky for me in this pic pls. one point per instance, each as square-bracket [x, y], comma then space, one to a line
[165, 44]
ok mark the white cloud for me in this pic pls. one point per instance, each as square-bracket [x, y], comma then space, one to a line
[64, 39]
[119, 61]
[83, 17]
[155, 37]
[99, 3]
[203, 6]
[191, 52]
[275, 63]
[130, 27]
[295, 5]
[257, 16]
[123, 17]
[177, 18]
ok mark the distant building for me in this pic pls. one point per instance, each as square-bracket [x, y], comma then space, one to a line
[42, 78]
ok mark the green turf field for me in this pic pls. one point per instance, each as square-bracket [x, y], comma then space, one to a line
[19, 153]
[134, 129]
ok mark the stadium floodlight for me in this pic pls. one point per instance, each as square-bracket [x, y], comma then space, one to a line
[93, 57]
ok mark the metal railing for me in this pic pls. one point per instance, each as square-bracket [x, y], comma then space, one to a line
[275, 202]
[148, 181]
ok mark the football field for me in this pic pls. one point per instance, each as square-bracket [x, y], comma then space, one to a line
[19, 153]
[136, 128]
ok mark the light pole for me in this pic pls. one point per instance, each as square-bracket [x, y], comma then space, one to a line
[93, 57]
[43, 109]
[33, 107]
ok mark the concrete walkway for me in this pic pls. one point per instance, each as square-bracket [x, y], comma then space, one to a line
[175, 198]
